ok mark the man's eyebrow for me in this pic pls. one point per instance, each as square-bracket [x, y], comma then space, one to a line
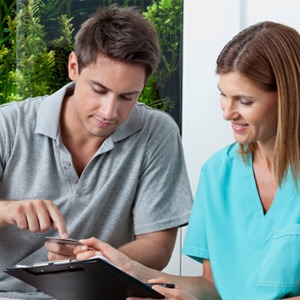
[106, 88]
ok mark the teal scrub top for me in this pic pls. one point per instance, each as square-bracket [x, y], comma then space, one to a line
[252, 255]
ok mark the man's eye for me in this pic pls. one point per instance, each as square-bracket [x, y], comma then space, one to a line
[126, 98]
[101, 92]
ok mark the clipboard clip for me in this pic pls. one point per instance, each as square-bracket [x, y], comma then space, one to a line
[53, 262]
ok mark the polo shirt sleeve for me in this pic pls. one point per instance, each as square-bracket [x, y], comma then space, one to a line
[163, 198]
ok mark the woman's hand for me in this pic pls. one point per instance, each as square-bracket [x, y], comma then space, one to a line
[169, 293]
[93, 247]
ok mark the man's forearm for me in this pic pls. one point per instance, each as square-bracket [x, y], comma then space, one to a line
[2, 218]
[152, 249]
[146, 252]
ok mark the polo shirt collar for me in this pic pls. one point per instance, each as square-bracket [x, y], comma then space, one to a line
[133, 124]
[48, 117]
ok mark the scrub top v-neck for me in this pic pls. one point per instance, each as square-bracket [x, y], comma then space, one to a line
[253, 255]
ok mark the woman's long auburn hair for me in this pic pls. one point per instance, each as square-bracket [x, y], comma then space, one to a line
[268, 54]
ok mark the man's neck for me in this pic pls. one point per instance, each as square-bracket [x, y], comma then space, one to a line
[81, 145]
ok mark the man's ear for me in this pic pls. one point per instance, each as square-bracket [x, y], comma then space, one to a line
[73, 66]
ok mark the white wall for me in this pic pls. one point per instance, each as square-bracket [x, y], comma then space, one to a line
[208, 25]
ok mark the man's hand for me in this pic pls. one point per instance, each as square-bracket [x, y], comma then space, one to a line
[33, 215]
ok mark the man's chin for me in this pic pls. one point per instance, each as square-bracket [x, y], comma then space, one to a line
[101, 134]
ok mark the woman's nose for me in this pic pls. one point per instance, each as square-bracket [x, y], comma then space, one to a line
[229, 110]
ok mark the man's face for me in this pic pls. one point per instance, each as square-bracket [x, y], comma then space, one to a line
[105, 94]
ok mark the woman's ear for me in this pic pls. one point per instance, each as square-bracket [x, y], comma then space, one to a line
[73, 66]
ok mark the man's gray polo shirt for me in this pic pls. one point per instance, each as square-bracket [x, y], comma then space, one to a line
[136, 183]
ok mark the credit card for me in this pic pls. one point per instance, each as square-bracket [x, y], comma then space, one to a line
[62, 241]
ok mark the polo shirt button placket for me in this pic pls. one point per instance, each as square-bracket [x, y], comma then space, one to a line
[67, 164]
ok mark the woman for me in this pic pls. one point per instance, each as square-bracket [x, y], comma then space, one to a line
[245, 224]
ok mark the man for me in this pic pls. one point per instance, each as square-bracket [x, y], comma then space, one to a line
[90, 160]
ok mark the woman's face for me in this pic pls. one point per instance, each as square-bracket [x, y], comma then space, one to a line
[253, 112]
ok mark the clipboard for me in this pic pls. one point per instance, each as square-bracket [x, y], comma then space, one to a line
[91, 279]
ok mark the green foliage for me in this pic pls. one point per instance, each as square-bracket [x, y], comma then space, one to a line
[35, 65]
[62, 47]
[35, 43]
[151, 97]
[166, 16]
[29, 66]
[7, 49]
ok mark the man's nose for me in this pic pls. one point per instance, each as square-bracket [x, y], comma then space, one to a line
[109, 107]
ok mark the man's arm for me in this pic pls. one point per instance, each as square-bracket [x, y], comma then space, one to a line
[158, 246]
[152, 249]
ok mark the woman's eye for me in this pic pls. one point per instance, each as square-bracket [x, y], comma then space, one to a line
[245, 102]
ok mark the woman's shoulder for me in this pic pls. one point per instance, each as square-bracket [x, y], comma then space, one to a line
[224, 156]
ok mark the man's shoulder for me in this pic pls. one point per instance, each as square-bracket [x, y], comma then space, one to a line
[29, 111]
[155, 116]
[21, 108]
[33, 103]
[18, 118]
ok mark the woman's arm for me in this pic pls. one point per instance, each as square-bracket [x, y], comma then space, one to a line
[201, 287]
